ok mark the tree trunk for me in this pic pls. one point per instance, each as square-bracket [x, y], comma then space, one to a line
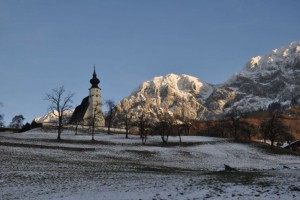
[235, 133]
[164, 138]
[126, 134]
[108, 129]
[108, 126]
[59, 132]
[272, 144]
[93, 130]
[59, 127]
[179, 136]
[126, 127]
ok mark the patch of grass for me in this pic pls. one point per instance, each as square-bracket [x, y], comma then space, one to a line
[161, 169]
[45, 147]
[265, 184]
[276, 150]
[184, 144]
[142, 153]
[238, 177]
[78, 141]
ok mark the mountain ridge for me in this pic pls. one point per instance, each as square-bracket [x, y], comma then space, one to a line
[263, 80]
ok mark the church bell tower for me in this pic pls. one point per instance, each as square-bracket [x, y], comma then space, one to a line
[95, 102]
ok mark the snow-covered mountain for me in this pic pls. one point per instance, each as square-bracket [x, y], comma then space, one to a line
[171, 93]
[52, 117]
[263, 80]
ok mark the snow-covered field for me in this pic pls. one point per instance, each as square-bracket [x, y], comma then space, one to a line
[35, 166]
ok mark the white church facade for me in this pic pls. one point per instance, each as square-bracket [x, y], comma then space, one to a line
[90, 109]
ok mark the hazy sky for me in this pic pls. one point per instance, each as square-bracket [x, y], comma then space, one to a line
[48, 43]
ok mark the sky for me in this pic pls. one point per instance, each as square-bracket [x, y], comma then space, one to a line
[45, 44]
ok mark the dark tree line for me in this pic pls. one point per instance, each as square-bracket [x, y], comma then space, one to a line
[273, 127]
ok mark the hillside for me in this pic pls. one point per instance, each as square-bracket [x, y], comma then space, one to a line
[36, 166]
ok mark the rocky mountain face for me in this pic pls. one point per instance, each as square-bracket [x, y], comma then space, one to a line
[263, 80]
[174, 94]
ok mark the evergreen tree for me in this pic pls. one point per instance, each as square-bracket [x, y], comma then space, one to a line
[17, 122]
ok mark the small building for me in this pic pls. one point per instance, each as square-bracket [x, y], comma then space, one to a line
[295, 146]
[90, 109]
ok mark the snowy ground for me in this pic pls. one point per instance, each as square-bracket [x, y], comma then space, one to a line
[35, 166]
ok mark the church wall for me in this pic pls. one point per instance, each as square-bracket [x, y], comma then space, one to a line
[95, 104]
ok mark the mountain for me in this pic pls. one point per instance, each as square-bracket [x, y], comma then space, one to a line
[52, 117]
[171, 93]
[263, 80]
[266, 79]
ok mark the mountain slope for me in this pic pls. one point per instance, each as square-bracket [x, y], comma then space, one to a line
[52, 117]
[269, 78]
[263, 80]
[171, 93]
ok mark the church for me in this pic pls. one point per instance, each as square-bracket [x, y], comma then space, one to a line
[90, 109]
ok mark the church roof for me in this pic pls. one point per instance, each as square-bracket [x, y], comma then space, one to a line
[79, 111]
[94, 81]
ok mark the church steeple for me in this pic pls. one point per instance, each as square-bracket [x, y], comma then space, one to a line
[95, 81]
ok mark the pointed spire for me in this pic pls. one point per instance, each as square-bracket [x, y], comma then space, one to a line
[95, 81]
[94, 74]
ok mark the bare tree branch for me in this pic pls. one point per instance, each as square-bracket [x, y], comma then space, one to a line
[59, 103]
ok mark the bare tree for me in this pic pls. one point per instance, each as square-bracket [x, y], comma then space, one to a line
[1, 117]
[235, 117]
[163, 126]
[77, 123]
[60, 102]
[95, 119]
[175, 125]
[1, 121]
[273, 128]
[144, 121]
[264, 129]
[17, 122]
[143, 124]
[221, 128]
[126, 119]
[248, 129]
[111, 105]
[186, 117]
[208, 126]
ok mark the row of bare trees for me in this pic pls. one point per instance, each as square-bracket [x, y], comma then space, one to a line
[163, 123]
[234, 125]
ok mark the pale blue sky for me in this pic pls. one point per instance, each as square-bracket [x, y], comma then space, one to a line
[48, 43]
